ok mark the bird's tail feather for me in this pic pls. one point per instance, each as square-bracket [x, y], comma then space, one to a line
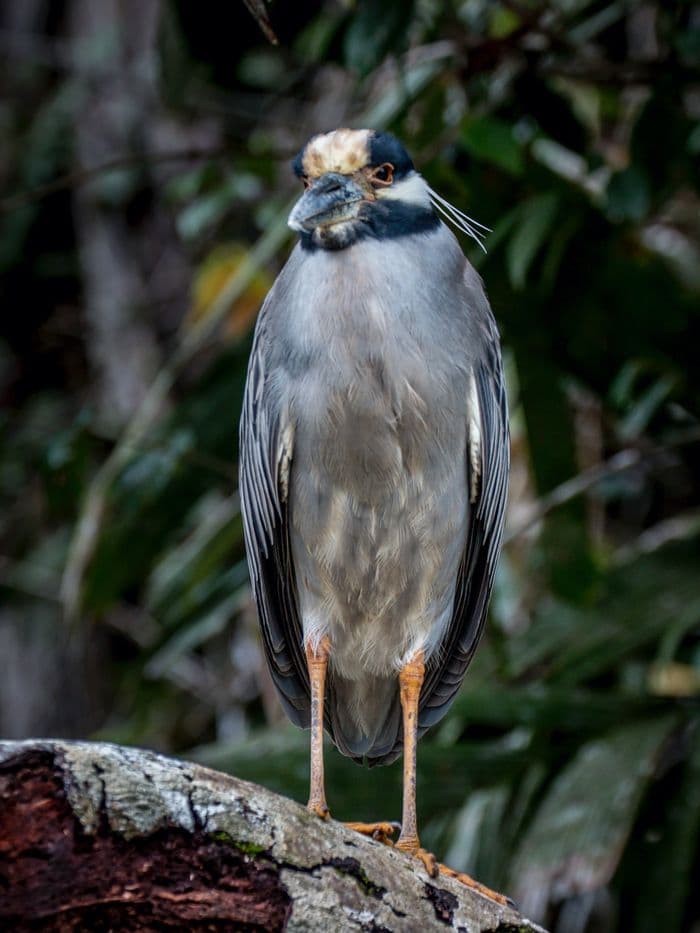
[366, 718]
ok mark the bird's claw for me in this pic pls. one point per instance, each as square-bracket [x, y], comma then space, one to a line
[382, 832]
[428, 860]
[474, 885]
[319, 809]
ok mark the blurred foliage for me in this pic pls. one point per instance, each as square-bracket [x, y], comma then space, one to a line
[567, 772]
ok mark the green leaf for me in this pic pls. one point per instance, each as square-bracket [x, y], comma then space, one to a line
[375, 28]
[475, 847]
[312, 44]
[576, 838]
[575, 645]
[150, 499]
[645, 407]
[628, 196]
[204, 212]
[493, 140]
[504, 22]
[190, 637]
[546, 707]
[182, 579]
[537, 216]
[659, 139]
[262, 68]
[660, 902]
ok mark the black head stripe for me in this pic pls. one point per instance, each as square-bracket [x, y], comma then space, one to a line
[388, 220]
[381, 220]
[383, 147]
[297, 164]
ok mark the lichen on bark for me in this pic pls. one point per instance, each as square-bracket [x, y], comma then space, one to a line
[98, 835]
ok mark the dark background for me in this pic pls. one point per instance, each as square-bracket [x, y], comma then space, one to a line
[145, 184]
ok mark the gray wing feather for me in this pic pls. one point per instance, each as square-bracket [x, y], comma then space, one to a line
[266, 531]
[448, 665]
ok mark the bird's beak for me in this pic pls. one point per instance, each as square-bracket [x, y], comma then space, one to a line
[331, 199]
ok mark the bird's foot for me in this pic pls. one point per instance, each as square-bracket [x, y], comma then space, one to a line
[435, 868]
[382, 832]
[413, 847]
[320, 808]
[474, 885]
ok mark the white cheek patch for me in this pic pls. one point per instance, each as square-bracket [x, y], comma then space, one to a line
[412, 190]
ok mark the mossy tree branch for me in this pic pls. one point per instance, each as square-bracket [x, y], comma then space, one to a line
[96, 836]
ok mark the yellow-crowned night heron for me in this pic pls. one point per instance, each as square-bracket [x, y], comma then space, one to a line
[374, 460]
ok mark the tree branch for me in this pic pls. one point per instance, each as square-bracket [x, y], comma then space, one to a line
[97, 836]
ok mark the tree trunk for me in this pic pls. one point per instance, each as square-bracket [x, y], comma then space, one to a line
[101, 837]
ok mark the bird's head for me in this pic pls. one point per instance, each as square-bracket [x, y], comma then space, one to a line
[362, 183]
[358, 183]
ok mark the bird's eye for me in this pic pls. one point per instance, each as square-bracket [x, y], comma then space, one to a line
[384, 175]
[305, 181]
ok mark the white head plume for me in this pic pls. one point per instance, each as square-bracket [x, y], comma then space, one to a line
[459, 219]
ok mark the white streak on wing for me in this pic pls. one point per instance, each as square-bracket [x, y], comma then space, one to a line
[474, 415]
[284, 458]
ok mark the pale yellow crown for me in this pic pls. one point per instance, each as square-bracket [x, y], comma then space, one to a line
[344, 151]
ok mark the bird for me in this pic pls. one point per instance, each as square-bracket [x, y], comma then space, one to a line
[374, 461]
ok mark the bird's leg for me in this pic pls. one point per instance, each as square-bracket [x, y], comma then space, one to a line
[410, 683]
[317, 664]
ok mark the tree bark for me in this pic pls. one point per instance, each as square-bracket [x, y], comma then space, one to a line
[102, 837]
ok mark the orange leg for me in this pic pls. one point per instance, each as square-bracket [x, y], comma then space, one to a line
[317, 663]
[410, 683]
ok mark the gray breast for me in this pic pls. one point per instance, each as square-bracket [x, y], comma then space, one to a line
[376, 365]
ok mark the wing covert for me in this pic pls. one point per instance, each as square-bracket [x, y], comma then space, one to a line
[266, 450]
[487, 468]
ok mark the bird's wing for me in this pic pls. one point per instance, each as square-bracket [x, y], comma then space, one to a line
[487, 480]
[266, 449]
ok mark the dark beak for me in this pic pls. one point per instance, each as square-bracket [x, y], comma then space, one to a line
[331, 199]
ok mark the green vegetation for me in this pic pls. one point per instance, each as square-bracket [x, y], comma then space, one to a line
[145, 189]
[247, 848]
